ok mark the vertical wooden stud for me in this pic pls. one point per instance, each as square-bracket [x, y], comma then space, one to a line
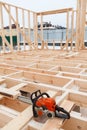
[78, 24]
[41, 27]
[17, 26]
[10, 27]
[72, 28]
[35, 30]
[82, 22]
[29, 24]
[2, 26]
[67, 30]
[23, 21]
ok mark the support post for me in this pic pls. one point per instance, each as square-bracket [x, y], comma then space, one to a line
[2, 26]
[29, 25]
[23, 21]
[10, 27]
[72, 28]
[42, 32]
[18, 44]
[35, 30]
[67, 30]
[80, 23]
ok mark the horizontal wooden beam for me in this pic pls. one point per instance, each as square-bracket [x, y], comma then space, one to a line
[42, 78]
[9, 93]
[55, 11]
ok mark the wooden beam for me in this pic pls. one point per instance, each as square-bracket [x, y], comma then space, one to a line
[72, 28]
[76, 122]
[8, 92]
[10, 28]
[42, 41]
[78, 98]
[18, 86]
[69, 40]
[41, 27]
[78, 24]
[43, 78]
[6, 42]
[18, 122]
[1, 96]
[82, 23]
[17, 26]
[29, 25]
[23, 22]
[54, 11]
[2, 26]
[35, 24]
[67, 30]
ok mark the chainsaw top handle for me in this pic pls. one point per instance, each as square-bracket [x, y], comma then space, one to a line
[37, 94]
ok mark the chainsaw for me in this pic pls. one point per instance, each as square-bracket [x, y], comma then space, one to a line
[42, 104]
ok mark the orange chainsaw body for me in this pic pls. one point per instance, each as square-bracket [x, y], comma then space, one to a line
[49, 103]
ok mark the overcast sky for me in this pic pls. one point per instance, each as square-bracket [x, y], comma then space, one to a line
[44, 5]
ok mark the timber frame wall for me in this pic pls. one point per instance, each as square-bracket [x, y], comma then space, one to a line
[78, 36]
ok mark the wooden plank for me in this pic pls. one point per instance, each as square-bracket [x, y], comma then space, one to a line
[1, 96]
[44, 78]
[34, 125]
[41, 29]
[67, 30]
[29, 25]
[2, 26]
[23, 23]
[78, 24]
[78, 98]
[17, 87]
[13, 104]
[52, 93]
[72, 28]
[75, 123]
[4, 119]
[35, 30]
[6, 42]
[82, 24]
[2, 80]
[8, 92]
[18, 41]
[54, 11]
[20, 120]
[10, 28]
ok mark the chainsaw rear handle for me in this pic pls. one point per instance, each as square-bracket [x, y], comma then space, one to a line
[34, 98]
[64, 113]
